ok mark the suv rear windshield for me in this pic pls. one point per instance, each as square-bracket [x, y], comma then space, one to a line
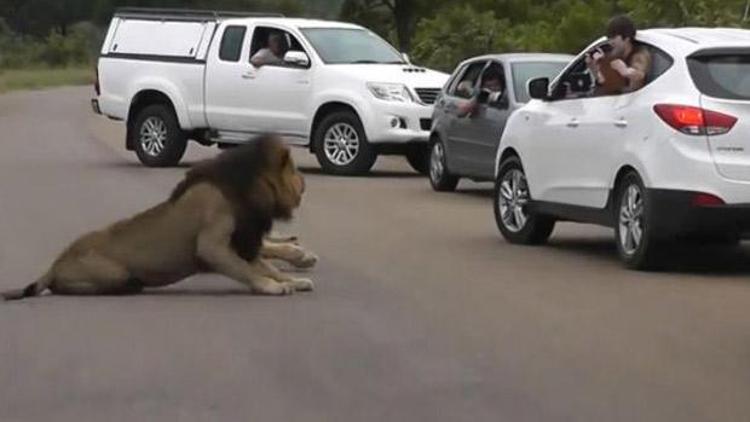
[722, 75]
[346, 46]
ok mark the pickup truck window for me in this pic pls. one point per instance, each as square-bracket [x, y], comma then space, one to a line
[261, 40]
[231, 43]
[351, 46]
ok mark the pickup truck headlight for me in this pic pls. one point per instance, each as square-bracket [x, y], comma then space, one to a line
[390, 92]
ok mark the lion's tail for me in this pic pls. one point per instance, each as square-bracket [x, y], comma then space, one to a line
[34, 289]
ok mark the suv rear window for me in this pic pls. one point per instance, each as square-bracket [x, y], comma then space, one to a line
[722, 75]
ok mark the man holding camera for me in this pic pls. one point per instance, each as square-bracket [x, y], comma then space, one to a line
[630, 60]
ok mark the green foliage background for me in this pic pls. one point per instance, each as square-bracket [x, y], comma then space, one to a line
[437, 33]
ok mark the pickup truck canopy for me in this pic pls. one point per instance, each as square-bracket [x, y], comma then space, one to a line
[176, 33]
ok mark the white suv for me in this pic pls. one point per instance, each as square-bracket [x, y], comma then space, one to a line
[670, 160]
[175, 75]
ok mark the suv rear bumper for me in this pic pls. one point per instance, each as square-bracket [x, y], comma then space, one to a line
[673, 213]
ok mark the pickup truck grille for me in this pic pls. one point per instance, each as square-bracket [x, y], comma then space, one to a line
[428, 95]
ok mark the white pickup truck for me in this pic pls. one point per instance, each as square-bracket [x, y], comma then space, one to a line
[337, 88]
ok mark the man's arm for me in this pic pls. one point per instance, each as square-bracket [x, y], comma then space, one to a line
[636, 72]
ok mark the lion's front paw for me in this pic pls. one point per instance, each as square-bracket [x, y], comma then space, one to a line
[303, 284]
[274, 288]
[306, 260]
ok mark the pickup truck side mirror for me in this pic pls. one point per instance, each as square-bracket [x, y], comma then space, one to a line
[538, 88]
[297, 58]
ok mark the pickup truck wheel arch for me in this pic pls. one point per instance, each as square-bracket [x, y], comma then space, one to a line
[140, 101]
[325, 110]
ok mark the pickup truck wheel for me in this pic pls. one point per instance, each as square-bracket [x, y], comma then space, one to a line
[517, 223]
[418, 157]
[158, 139]
[341, 145]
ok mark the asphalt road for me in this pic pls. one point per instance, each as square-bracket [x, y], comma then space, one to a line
[422, 312]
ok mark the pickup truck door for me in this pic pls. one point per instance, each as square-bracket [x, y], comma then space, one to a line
[243, 98]
[227, 76]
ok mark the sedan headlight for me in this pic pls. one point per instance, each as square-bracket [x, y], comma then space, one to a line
[390, 92]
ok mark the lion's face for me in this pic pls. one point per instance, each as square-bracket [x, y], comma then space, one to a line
[288, 181]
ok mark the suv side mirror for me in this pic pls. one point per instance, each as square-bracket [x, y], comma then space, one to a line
[297, 58]
[406, 58]
[538, 88]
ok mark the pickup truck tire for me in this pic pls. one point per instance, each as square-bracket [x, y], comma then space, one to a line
[341, 146]
[418, 157]
[158, 139]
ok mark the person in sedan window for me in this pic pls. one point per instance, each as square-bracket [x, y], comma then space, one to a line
[492, 90]
[273, 54]
[633, 61]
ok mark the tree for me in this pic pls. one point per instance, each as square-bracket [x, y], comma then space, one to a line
[404, 15]
[457, 33]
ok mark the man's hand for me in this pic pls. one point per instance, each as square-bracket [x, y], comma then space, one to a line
[620, 67]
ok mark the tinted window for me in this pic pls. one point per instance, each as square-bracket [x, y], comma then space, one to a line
[523, 72]
[464, 86]
[231, 43]
[343, 45]
[722, 75]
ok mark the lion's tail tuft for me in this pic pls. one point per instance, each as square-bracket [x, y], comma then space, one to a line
[34, 289]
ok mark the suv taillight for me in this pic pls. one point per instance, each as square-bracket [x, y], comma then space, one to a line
[694, 120]
[97, 87]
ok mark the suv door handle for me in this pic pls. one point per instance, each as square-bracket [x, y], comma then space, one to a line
[621, 123]
[248, 75]
[573, 123]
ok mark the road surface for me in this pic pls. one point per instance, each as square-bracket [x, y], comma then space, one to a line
[422, 312]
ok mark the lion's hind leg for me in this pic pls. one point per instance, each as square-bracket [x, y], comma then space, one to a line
[93, 274]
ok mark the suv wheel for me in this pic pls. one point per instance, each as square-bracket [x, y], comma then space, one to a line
[418, 156]
[512, 214]
[157, 137]
[636, 243]
[341, 145]
[440, 178]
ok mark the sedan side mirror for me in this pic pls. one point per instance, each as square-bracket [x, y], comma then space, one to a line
[538, 88]
[297, 58]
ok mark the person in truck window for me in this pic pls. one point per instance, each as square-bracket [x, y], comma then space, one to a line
[492, 90]
[633, 60]
[273, 54]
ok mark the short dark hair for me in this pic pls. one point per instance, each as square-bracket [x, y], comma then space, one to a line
[621, 25]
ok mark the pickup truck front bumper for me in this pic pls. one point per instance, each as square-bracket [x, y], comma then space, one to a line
[398, 123]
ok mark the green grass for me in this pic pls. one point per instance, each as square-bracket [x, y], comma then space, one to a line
[22, 79]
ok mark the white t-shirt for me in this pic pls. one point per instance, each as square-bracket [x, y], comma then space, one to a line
[265, 56]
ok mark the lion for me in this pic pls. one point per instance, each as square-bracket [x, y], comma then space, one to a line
[218, 219]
